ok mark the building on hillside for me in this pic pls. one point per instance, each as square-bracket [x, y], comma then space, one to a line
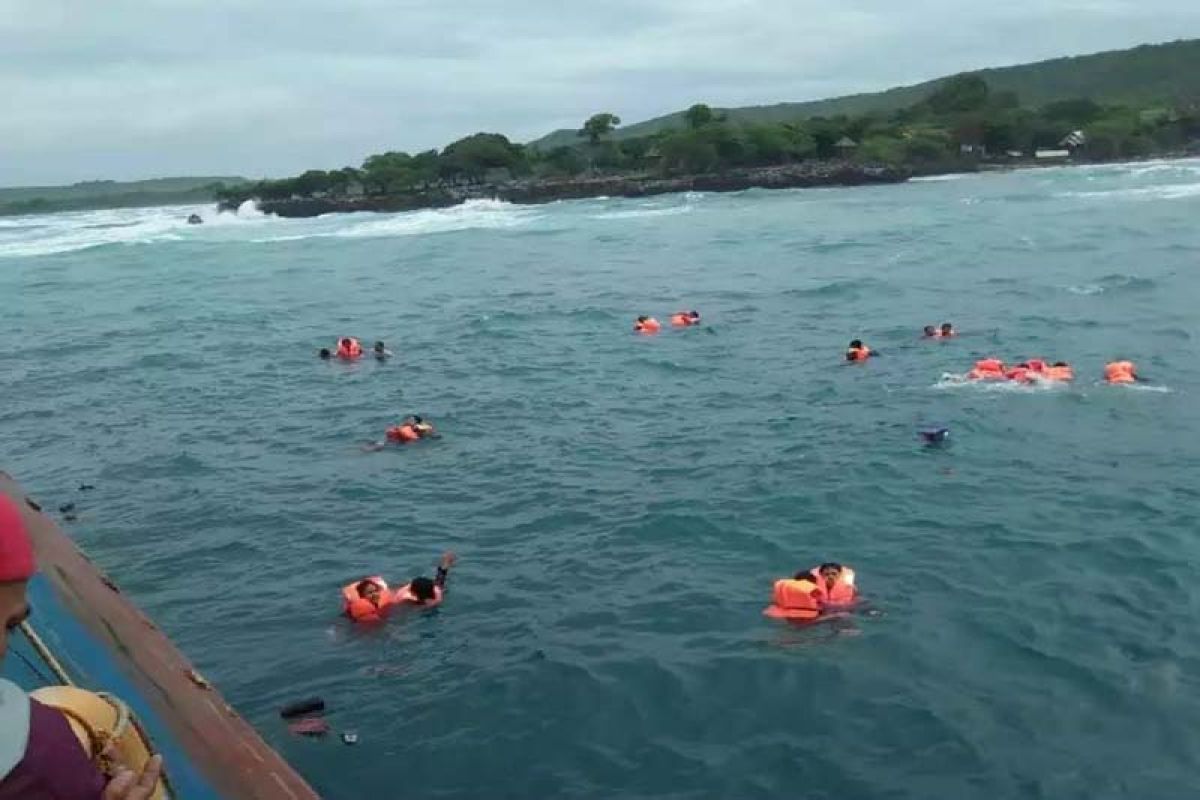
[1073, 141]
[846, 146]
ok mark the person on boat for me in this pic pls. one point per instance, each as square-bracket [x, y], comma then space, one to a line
[410, 430]
[685, 319]
[369, 599]
[807, 596]
[647, 325]
[857, 351]
[40, 756]
[380, 352]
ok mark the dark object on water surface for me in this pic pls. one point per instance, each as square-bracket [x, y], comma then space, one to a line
[194, 219]
[66, 508]
[86, 487]
[309, 726]
[309, 705]
[934, 435]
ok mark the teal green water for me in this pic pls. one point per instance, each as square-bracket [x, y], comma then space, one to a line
[620, 505]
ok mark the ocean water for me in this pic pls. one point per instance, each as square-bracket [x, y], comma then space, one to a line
[620, 505]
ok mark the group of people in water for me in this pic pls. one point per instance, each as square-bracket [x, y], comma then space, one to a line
[350, 349]
[819, 593]
[680, 319]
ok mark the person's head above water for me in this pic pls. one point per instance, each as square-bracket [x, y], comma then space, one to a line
[369, 590]
[694, 314]
[324, 353]
[856, 344]
[379, 348]
[930, 330]
[1061, 364]
[947, 328]
[642, 319]
[346, 343]
[830, 572]
[422, 589]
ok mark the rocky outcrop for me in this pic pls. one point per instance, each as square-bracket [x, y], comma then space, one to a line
[547, 191]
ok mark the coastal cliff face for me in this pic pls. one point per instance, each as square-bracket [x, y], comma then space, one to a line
[547, 191]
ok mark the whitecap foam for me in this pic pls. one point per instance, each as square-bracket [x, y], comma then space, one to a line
[954, 176]
[473, 214]
[1086, 289]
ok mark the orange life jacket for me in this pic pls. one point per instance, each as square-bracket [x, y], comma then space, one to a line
[681, 320]
[405, 595]
[651, 325]
[1120, 372]
[1059, 374]
[402, 434]
[1020, 374]
[1036, 365]
[859, 353]
[987, 369]
[843, 592]
[359, 608]
[797, 599]
[351, 352]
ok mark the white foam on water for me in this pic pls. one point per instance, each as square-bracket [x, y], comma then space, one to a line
[473, 214]
[1086, 289]
[48, 234]
[954, 176]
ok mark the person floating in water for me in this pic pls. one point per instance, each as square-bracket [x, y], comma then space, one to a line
[411, 429]
[349, 349]
[370, 599]
[857, 351]
[1121, 372]
[647, 325]
[808, 596]
[685, 319]
[324, 354]
[944, 332]
[380, 352]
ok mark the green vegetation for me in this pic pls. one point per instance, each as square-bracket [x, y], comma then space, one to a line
[91, 195]
[962, 123]
[1150, 75]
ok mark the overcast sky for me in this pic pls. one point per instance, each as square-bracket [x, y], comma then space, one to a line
[143, 88]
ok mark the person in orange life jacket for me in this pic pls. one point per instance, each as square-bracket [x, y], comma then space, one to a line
[857, 351]
[40, 756]
[369, 599]
[410, 430]
[380, 352]
[836, 583]
[348, 348]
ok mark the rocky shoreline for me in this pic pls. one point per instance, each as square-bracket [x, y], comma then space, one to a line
[792, 176]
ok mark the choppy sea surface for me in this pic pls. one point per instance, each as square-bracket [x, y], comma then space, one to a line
[620, 505]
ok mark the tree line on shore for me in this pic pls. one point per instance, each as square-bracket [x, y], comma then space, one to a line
[958, 125]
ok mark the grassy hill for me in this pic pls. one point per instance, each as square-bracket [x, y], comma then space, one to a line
[1140, 76]
[111, 194]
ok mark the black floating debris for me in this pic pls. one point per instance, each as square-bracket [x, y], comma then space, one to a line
[934, 435]
[66, 508]
[70, 518]
[310, 705]
[86, 487]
